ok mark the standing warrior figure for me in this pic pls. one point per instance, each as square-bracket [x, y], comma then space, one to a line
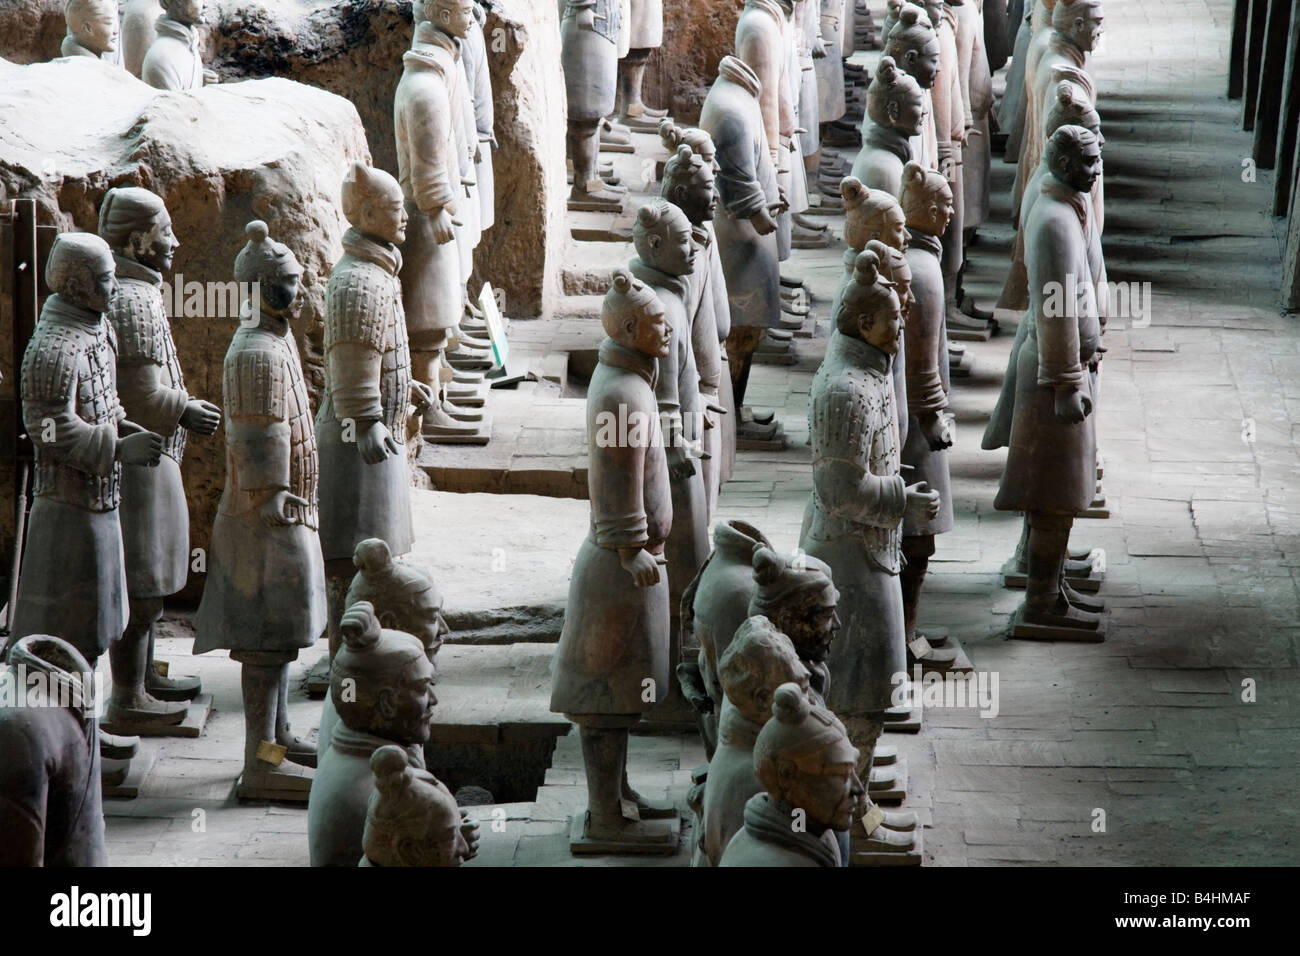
[265, 595]
[860, 500]
[155, 515]
[645, 33]
[1051, 455]
[174, 61]
[589, 31]
[81, 437]
[612, 662]
[895, 117]
[139, 30]
[361, 425]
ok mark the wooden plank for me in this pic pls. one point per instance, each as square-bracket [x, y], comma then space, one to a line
[1254, 56]
[1237, 54]
[1287, 140]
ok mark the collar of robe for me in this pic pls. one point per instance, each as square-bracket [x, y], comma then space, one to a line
[735, 729]
[861, 353]
[924, 240]
[167, 27]
[1076, 200]
[56, 306]
[131, 269]
[733, 542]
[277, 323]
[1058, 42]
[659, 279]
[738, 71]
[887, 138]
[618, 355]
[383, 254]
[769, 820]
[358, 743]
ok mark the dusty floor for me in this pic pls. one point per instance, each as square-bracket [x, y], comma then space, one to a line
[1174, 741]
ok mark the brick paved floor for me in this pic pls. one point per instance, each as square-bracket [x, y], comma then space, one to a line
[1196, 424]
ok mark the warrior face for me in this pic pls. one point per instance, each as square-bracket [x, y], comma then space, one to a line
[156, 247]
[697, 198]
[102, 284]
[94, 25]
[185, 11]
[923, 63]
[1079, 168]
[651, 333]
[405, 709]
[884, 329]
[1085, 29]
[385, 217]
[453, 16]
[279, 292]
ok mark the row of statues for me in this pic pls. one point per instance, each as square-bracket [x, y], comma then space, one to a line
[789, 664]
[156, 40]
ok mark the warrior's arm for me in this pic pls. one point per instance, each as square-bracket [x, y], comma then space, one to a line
[153, 405]
[851, 492]
[429, 129]
[54, 426]
[352, 371]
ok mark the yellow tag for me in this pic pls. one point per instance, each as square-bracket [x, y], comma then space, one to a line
[453, 341]
[445, 375]
[872, 819]
[271, 753]
[920, 647]
[160, 668]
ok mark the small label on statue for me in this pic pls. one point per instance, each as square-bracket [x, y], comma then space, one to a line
[271, 753]
[445, 374]
[920, 647]
[872, 819]
[160, 668]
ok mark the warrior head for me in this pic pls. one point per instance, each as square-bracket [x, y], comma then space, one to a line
[869, 307]
[1079, 21]
[449, 16]
[1073, 154]
[412, 818]
[1070, 106]
[758, 660]
[633, 316]
[270, 264]
[189, 12]
[871, 214]
[81, 270]
[914, 45]
[895, 100]
[799, 599]
[803, 759]
[927, 199]
[136, 225]
[688, 184]
[372, 202]
[894, 267]
[404, 595]
[93, 24]
[381, 681]
[662, 237]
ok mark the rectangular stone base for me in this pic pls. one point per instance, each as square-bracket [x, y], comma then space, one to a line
[196, 716]
[1041, 632]
[582, 845]
[138, 768]
[583, 205]
[293, 797]
[940, 638]
[898, 792]
[971, 335]
[1013, 577]
[1098, 509]
[903, 721]
[913, 858]
[617, 148]
[480, 436]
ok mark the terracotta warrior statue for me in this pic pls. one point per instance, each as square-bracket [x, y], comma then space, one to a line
[1050, 472]
[474, 54]
[645, 28]
[265, 594]
[50, 804]
[913, 44]
[404, 597]
[426, 111]
[381, 686]
[174, 61]
[895, 116]
[139, 30]
[800, 599]
[92, 29]
[928, 205]
[714, 605]
[806, 765]
[365, 477]
[589, 33]
[612, 663]
[684, 186]
[688, 183]
[860, 499]
[665, 262]
[73, 582]
[977, 89]
[1072, 107]
[1076, 29]
[758, 661]
[154, 514]
[412, 818]
[747, 191]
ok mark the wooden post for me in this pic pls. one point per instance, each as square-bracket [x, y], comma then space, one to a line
[1237, 52]
[1254, 57]
[1287, 140]
[1271, 71]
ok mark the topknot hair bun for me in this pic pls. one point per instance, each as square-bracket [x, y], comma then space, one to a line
[790, 704]
[372, 555]
[767, 565]
[854, 193]
[622, 281]
[866, 268]
[257, 230]
[360, 627]
[887, 70]
[389, 765]
[913, 172]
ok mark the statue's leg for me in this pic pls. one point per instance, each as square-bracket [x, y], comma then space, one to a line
[260, 680]
[299, 751]
[894, 830]
[631, 77]
[917, 550]
[610, 817]
[167, 688]
[584, 150]
[1045, 600]
[338, 577]
[130, 703]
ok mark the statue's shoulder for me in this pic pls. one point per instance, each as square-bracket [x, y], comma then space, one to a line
[53, 358]
[359, 300]
[256, 374]
[139, 322]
